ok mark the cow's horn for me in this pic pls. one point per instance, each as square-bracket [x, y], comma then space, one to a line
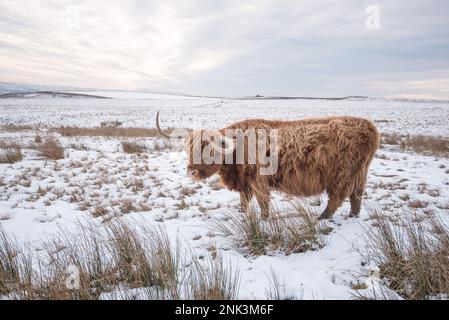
[159, 128]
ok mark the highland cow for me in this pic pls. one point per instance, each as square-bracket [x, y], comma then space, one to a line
[318, 155]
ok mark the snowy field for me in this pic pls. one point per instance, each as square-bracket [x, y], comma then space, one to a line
[139, 110]
[38, 196]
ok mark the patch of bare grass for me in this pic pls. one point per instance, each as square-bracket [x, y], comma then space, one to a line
[293, 230]
[135, 184]
[126, 206]
[420, 144]
[389, 186]
[182, 204]
[425, 189]
[37, 138]
[412, 256]
[15, 128]
[417, 204]
[187, 191]
[10, 152]
[51, 148]
[15, 269]
[433, 145]
[212, 281]
[92, 261]
[133, 147]
[107, 131]
[99, 211]
[134, 257]
[404, 197]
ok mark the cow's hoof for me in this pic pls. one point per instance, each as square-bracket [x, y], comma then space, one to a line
[353, 215]
[324, 216]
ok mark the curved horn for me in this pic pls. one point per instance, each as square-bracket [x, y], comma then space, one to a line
[159, 128]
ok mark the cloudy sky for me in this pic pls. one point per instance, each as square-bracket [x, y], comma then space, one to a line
[215, 47]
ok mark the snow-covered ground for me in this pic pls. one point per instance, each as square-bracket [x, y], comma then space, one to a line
[139, 110]
[38, 196]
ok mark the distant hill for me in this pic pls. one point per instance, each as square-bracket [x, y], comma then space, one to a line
[11, 87]
[49, 94]
[24, 88]
[260, 97]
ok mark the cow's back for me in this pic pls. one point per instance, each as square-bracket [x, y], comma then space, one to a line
[321, 154]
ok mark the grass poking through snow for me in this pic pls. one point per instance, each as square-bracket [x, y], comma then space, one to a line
[412, 257]
[292, 230]
[133, 147]
[51, 148]
[419, 144]
[112, 260]
[10, 152]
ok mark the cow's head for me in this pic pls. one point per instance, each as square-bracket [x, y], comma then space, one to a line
[206, 150]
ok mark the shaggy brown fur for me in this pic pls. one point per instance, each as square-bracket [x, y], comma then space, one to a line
[318, 155]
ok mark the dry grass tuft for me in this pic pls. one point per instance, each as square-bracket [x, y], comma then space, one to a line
[425, 144]
[108, 131]
[98, 211]
[413, 257]
[143, 261]
[125, 206]
[15, 269]
[392, 139]
[294, 230]
[15, 128]
[10, 152]
[133, 147]
[211, 281]
[37, 138]
[419, 144]
[51, 148]
[92, 261]
[187, 191]
[417, 204]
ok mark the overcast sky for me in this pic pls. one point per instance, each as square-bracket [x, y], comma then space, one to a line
[307, 48]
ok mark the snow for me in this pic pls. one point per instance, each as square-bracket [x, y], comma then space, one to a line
[139, 110]
[107, 176]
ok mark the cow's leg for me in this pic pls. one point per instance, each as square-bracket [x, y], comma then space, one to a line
[356, 197]
[333, 204]
[245, 199]
[263, 198]
[356, 202]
